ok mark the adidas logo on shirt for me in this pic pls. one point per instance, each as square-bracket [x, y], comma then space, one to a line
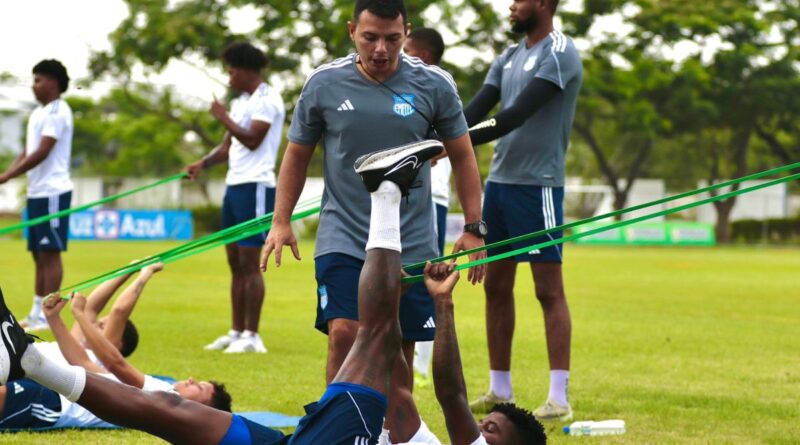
[346, 106]
[430, 324]
[18, 388]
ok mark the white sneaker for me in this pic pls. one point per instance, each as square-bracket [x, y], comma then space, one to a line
[34, 323]
[246, 343]
[221, 342]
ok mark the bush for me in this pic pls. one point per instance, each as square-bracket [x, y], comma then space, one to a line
[774, 230]
[207, 220]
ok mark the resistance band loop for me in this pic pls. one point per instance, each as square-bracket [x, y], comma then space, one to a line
[71, 210]
[609, 215]
[418, 278]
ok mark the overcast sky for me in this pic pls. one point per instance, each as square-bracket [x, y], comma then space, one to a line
[32, 30]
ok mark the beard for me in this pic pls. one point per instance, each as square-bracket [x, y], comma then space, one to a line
[525, 25]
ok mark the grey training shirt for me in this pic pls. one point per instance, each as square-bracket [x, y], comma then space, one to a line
[353, 116]
[533, 154]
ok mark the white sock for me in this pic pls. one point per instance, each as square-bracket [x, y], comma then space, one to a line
[425, 435]
[500, 383]
[559, 385]
[36, 308]
[422, 357]
[234, 334]
[66, 380]
[249, 334]
[384, 224]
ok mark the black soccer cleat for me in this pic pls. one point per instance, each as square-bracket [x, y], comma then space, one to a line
[399, 164]
[14, 343]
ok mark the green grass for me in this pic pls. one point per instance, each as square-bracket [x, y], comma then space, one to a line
[688, 346]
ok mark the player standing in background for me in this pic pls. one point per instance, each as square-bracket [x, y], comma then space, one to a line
[250, 147]
[537, 83]
[377, 98]
[46, 160]
[427, 45]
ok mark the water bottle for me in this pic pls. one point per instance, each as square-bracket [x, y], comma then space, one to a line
[592, 428]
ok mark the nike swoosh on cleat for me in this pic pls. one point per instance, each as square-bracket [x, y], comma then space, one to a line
[411, 160]
[7, 325]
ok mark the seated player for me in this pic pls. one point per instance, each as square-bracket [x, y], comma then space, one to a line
[354, 405]
[116, 326]
[26, 404]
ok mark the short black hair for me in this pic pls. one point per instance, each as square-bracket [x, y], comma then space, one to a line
[53, 68]
[244, 55]
[385, 9]
[528, 429]
[431, 40]
[130, 339]
[221, 399]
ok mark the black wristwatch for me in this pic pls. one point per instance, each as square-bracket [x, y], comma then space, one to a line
[478, 229]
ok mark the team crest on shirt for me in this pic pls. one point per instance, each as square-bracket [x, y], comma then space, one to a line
[404, 104]
[530, 63]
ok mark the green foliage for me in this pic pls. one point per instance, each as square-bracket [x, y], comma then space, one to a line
[207, 220]
[773, 230]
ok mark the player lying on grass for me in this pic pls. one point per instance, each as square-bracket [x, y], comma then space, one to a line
[116, 326]
[27, 404]
[354, 405]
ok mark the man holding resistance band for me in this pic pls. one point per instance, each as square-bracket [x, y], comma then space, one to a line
[376, 98]
[353, 407]
[250, 147]
[537, 83]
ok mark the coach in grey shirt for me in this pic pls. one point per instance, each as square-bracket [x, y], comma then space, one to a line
[372, 100]
[537, 82]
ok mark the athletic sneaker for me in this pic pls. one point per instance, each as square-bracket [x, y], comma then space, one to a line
[34, 322]
[12, 346]
[246, 343]
[486, 402]
[399, 164]
[551, 410]
[221, 342]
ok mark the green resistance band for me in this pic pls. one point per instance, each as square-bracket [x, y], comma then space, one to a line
[418, 278]
[609, 215]
[227, 236]
[71, 210]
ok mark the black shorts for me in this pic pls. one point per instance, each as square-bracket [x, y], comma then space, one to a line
[29, 405]
[50, 235]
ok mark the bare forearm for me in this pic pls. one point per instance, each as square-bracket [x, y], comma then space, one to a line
[72, 351]
[101, 294]
[22, 165]
[249, 137]
[123, 308]
[448, 376]
[291, 180]
[468, 182]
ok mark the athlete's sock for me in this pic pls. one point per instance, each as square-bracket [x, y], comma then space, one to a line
[248, 334]
[63, 379]
[559, 385]
[500, 384]
[424, 435]
[234, 334]
[384, 224]
[422, 358]
[36, 307]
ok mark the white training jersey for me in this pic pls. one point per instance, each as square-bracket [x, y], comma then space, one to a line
[245, 165]
[76, 416]
[51, 177]
[440, 182]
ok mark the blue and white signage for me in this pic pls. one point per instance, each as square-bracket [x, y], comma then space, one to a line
[113, 224]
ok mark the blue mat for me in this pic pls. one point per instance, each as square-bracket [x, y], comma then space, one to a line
[266, 418]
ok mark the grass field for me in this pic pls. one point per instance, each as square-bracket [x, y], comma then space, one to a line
[688, 346]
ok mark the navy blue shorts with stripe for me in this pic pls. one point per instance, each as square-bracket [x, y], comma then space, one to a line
[244, 202]
[347, 414]
[50, 235]
[29, 405]
[337, 297]
[512, 210]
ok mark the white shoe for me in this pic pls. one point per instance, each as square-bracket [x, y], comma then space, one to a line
[34, 323]
[221, 342]
[552, 410]
[246, 343]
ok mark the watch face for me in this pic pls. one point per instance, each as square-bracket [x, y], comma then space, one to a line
[482, 228]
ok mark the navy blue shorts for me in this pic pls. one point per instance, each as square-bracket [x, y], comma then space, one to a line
[29, 405]
[441, 226]
[337, 297]
[246, 432]
[244, 202]
[50, 235]
[513, 210]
